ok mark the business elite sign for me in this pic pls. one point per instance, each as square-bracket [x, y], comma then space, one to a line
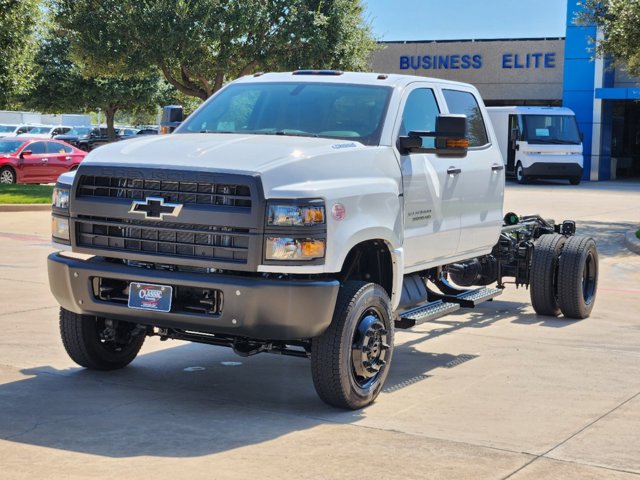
[466, 61]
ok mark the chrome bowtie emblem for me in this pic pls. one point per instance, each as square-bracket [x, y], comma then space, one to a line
[155, 208]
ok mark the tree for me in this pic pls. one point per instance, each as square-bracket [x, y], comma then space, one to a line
[200, 44]
[18, 45]
[60, 86]
[620, 23]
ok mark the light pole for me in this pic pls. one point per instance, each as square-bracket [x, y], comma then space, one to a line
[99, 117]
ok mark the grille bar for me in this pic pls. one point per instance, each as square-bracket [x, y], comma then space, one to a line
[223, 244]
[185, 192]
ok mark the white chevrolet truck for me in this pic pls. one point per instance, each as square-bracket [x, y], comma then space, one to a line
[309, 214]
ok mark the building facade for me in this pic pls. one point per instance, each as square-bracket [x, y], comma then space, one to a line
[541, 71]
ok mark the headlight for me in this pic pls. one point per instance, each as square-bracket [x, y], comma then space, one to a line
[60, 228]
[295, 215]
[287, 248]
[60, 198]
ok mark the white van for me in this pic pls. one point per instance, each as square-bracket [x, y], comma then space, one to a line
[539, 142]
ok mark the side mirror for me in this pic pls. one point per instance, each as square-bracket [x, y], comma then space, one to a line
[450, 137]
[514, 134]
[25, 153]
[172, 117]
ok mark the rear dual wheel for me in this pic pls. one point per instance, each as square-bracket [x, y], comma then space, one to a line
[564, 276]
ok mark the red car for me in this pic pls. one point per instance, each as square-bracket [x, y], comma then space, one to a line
[34, 160]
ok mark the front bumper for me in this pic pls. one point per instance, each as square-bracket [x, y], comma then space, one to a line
[260, 308]
[553, 170]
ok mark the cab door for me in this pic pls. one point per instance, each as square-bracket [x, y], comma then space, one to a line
[430, 186]
[481, 177]
[35, 165]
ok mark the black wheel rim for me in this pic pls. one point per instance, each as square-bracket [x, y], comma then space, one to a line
[589, 275]
[369, 348]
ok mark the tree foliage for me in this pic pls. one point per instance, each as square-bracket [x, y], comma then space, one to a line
[200, 44]
[620, 23]
[19, 21]
[61, 86]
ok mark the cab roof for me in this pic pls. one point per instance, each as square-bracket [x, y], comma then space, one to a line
[336, 76]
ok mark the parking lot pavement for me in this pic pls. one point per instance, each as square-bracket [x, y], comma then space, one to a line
[492, 393]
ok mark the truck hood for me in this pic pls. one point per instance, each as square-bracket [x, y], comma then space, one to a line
[219, 152]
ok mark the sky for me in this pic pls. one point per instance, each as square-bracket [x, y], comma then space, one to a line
[465, 19]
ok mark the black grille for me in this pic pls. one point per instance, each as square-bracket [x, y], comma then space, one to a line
[185, 192]
[200, 242]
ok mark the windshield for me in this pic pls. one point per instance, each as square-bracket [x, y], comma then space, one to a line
[40, 130]
[7, 128]
[352, 112]
[551, 129]
[78, 131]
[10, 146]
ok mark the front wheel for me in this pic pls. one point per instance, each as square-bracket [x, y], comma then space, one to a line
[98, 343]
[521, 178]
[7, 175]
[575, 180]
[350, 361]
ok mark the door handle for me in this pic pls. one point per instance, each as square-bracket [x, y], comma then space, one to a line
[453, 170]
[45, 160]
[67, 158]
[496, 168]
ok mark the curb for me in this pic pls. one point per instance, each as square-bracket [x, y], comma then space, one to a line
[632, 242]
[25, 207]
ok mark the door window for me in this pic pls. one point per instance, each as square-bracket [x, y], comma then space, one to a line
[465, 103]
[419, 115]
[37, 148]
[58, 148]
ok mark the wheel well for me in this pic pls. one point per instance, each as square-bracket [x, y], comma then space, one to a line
[369, 261]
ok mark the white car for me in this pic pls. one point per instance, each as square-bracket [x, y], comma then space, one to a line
[12, 130]
[45, 131]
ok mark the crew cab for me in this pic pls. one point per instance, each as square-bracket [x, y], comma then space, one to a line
[307, 213]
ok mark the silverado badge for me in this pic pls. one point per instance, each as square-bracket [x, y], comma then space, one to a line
[155, 208]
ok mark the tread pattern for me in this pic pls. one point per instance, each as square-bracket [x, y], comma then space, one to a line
[330, 354]
[570, 272]
[544, 268]
[80, 340]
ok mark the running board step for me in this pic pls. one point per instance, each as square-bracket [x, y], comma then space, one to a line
[425, 313]
[471, 298]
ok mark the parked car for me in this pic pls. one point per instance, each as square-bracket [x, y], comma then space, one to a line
[34, 160]
[147, 131]
[85, 138]
[45, 131]
[14, 130]
[126, 132]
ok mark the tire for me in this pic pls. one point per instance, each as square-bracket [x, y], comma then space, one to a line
[575, 180]
[7, 175]
[578, 277]
[521, 178]
[361, 331]
[544, 274]
[81, 339]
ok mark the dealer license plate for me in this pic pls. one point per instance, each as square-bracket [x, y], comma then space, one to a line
[147, 296]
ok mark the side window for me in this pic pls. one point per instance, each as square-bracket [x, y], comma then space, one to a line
[419, 115]
[465, 103]
[37, 148]
[54, 147]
